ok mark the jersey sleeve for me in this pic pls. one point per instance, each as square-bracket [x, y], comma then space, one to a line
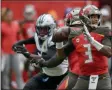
[27, 41]
[74, 33]
[107, 35]
[107, 40]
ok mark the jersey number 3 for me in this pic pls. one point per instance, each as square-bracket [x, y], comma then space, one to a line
[88, 53]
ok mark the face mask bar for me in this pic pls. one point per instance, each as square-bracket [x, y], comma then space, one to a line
[98, 23]
[42, 30]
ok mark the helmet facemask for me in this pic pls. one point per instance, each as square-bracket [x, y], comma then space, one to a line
[94, 20]
[43, 31]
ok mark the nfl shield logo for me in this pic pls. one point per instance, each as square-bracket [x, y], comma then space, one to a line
[77, 40]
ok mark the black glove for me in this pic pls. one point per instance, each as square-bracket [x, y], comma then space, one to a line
[14, 47]
[38, 63]
[21, 49]
[41, 62]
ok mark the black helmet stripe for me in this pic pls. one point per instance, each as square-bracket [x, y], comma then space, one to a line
[41, 19]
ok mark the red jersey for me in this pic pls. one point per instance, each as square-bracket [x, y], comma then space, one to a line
[74, 63]
[9, 34]
[73, 59]
[91, 61]
[28, 30]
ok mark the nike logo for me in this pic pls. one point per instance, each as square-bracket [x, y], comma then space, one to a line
[45, 79]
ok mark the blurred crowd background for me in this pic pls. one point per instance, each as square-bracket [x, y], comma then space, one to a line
[18, 22]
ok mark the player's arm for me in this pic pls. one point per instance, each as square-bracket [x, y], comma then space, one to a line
[19, 48]
[65, 33]
[105, 47]
[53, 62]
[31, 57]
[65, 50]
[58, 58]
[26, 41]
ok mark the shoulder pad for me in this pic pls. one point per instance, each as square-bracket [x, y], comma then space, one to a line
[74, 32]
[104, 31]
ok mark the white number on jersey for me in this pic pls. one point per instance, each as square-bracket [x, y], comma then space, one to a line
[88, 53]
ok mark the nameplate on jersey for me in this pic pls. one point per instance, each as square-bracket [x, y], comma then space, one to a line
[93, 81]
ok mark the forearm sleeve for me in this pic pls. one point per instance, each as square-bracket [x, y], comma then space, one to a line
[27, 41]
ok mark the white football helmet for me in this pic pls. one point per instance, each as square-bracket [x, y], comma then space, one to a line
[45, 25]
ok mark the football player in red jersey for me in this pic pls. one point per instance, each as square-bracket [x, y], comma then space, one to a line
[72, 20]
[93, 47]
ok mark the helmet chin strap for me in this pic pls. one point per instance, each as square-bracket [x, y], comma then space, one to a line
[94, 25]
[44, 37]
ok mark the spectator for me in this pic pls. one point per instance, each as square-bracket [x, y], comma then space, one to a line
[10, 61]
[106, 20]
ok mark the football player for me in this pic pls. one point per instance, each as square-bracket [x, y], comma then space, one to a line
[93, 45]
[72, 20]
[49, 78]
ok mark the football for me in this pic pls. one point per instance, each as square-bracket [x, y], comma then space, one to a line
[61, 34]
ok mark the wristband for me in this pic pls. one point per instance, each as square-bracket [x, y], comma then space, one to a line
[97, 45]
[26, 54]
[59, 45]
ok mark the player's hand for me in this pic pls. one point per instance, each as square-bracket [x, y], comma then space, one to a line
[21, 49]
[87, 34]
[36, 62]
[14, 48]
[17, 48]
